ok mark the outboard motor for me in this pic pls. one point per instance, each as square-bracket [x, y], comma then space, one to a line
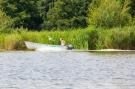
[70, 47]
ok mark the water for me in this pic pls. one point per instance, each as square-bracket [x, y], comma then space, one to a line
[67, 70]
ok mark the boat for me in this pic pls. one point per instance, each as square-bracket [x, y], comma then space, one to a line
[44, 47]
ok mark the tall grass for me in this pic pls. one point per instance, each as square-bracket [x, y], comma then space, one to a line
[11, 42]
[115, 38]
[78, 38]
[89, 38]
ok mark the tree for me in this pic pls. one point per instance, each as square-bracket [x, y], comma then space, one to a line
[5, 22]
[24, 12]
[47, 14]
[132, 11]
[109, 13]
[63, 14]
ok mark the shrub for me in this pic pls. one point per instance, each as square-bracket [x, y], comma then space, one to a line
[115, 38]
[5, 22]
[109, 13]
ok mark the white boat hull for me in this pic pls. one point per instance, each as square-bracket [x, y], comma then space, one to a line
[44, 47]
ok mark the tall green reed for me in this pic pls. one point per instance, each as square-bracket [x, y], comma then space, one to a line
[115, 38]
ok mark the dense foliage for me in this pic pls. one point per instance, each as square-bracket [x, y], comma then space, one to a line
[114, 38]
[116, 16]
[109, 13]
[64, 14]
[47, 14]
[5, 22]
[132, 11]
[67, 14]
[24, 12]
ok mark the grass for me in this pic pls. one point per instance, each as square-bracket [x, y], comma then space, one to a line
[115, 38]
[89, 38]
[11, 42]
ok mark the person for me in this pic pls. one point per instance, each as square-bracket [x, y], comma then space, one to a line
[62, 42]
[69, 46]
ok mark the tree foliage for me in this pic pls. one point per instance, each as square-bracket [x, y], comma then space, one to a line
[47, 14]
[64, 14]
[132, 10]
[61, 14]
[5, 22]
[24, 12]
[109, 13]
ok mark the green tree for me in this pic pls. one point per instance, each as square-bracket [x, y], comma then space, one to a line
[24, 12]
[109, 13]
[132, 11]
[62, 14]
[5, 22]
[47, 14]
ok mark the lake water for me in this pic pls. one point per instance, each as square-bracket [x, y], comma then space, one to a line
[67, 70]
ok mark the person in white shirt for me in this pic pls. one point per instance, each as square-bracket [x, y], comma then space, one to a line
[62, 42]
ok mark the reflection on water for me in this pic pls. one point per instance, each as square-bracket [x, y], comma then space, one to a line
[67, 70]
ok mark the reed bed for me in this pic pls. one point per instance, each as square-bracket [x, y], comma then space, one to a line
[115, 38]
[11, 42]
[89, 38]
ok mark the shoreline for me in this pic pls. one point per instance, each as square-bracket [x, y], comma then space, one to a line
[74, 50]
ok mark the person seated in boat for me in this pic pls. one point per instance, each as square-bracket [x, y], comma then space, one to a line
[69, 46]
[62, 42]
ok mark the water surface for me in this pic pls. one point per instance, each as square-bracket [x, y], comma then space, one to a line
[67, 70]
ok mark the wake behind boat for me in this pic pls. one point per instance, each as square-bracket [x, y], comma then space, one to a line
[44, 47]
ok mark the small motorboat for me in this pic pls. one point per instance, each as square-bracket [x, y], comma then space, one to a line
[44, 47]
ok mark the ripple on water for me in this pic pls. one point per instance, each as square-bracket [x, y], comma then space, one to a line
[67, 70]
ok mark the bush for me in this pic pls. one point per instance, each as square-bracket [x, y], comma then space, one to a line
[115, 38]
[5, 22]
[109, 13]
